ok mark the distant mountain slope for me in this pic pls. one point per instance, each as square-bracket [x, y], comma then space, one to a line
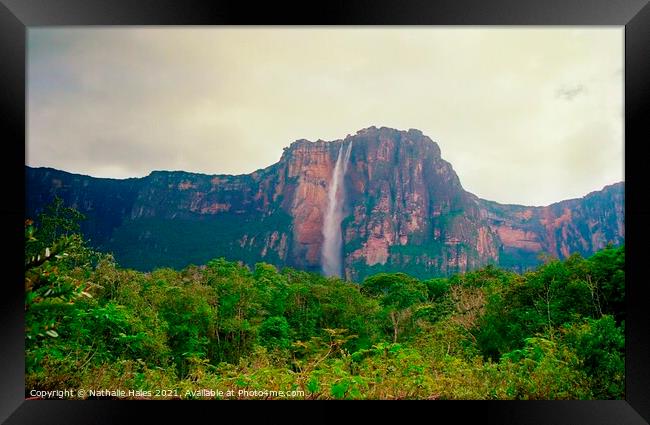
[584, 225]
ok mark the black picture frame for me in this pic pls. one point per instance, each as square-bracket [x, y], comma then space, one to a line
[17, 15]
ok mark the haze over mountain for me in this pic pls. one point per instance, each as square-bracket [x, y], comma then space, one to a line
[401, 207]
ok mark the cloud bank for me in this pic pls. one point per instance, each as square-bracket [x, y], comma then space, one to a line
[525, 115]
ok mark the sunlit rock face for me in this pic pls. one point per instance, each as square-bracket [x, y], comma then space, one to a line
[400, 207]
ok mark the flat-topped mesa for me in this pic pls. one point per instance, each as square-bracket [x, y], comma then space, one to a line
[367, 136]
[404, 209]
[394, 182]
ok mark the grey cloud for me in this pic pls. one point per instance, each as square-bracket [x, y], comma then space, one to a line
[119, 102]
[570, 92]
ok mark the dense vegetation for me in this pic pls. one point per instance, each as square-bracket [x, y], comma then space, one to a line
[553, 333]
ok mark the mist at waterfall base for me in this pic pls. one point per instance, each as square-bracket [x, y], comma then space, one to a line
[331, 255]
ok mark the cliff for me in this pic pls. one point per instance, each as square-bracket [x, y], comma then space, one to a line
[404, 210]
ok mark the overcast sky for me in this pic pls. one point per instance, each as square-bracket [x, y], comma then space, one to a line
[528, 116]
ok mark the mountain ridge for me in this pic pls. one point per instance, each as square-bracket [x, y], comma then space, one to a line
[507, 204]
[405, 210]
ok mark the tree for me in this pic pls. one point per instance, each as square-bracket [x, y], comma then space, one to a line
[601, 346]
[274, 332]
[58, 227]
[398, 293]
[607, 270]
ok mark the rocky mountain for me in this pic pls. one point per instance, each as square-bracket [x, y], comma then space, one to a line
[402, 209]
[583, 225]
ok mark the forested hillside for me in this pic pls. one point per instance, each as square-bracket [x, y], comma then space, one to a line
[553, 333]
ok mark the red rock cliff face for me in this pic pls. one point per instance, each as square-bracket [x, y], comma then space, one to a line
[583, 225]
[404, 210]
[401, 196]
[309, 168]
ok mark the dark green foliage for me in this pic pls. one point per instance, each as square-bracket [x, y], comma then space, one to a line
[601, 345]
[518, 259]
[150, 242]
[397, 290]
[57, 220]
[553, 333]
[274, 332]
[402, 298]
[607, 275]
[58, 228]
[437, 288]
[556, 294]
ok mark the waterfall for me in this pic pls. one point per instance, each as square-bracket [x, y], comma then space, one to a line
[331, 255]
